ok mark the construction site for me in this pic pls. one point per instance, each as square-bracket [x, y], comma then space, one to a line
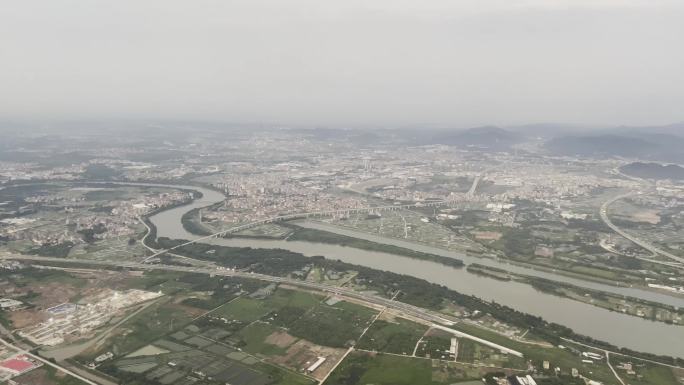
[70, 321]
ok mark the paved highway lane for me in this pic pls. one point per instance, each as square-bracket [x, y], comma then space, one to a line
[645, 245]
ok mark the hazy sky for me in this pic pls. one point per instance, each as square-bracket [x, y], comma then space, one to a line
[345, 62]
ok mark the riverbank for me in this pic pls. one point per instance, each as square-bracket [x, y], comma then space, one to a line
[514, 266]
[312, 235]
[583, 318]
[190, 223]
[636, 307]
[499, 274]
[585, 275]
[413, 291]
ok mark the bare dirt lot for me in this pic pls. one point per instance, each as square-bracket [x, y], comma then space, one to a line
[280, 339]
[303, 353]
[49, 294]
[648, 216]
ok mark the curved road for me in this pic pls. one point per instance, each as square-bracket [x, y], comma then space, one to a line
[645, 245]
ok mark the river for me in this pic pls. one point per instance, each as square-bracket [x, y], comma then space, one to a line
[618, 329]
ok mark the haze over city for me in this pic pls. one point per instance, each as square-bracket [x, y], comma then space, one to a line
[381, 63]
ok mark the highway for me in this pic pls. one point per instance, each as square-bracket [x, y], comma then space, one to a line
[399, 307]
[645, 245]
[46, 362]
[473, 187]
[478, 179]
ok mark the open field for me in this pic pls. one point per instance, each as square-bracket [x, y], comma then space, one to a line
[383, 369]
[397, 336]
[268, 336]
[563, 358]
[46, 376]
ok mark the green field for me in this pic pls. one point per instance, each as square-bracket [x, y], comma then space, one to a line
[335, 326]
[562, 358]
[398, 336]
[435, 346]
[34, 276]
[253, 337]
[646, 373]
[467, 350]
[320, 236]
[250, 309]
[383, 369]
[303, 315]
[208, 345]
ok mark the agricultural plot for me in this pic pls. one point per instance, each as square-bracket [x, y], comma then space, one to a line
[398, 336]
[335, 326]
[267, 337]
[254, 339]
[197, 359]
[250, 309]
[291, 328]
[435, 344]
[565, 359]
[118, 248]
[383, 369]
[474, 353]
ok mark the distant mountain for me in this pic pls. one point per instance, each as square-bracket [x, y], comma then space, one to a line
[644, 146]
[549, 130]
[487, 137]
[653, 171]
[676, 129]
[599, 145]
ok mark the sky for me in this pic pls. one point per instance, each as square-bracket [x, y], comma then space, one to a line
[374, 63]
